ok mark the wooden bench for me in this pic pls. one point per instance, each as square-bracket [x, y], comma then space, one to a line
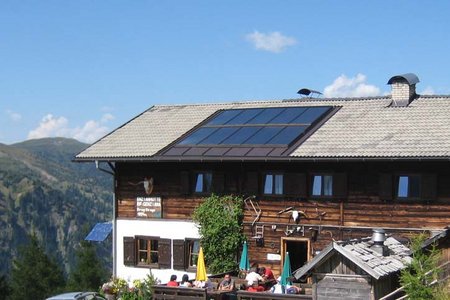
[244, 295]
[167, 292]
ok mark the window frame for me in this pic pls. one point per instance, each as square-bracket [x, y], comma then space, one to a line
[189, 252]
[273, 192]
[206, 187]
[149, 251]
[410, 188]
[322, 185]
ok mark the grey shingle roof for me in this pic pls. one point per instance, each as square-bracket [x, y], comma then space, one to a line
[359, 251]
[362, 128]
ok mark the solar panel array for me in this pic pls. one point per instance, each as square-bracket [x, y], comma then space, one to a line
[275, 126]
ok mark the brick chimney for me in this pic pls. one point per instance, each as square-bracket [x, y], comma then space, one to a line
[403, 89]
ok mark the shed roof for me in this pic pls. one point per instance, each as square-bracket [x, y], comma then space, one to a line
[359, 251]
[361, 128]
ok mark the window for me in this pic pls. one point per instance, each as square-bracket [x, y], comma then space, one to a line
[322, 185]
[193, 247]
[203, 182]
[408, 186]
[147, 251]
[413, 186]
[144, 251]
[185, 254]
[273, 184]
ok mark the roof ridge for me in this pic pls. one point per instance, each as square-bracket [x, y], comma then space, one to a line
[302, 100]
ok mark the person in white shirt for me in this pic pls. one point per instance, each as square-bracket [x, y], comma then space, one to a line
[288, 289]
[253, 276]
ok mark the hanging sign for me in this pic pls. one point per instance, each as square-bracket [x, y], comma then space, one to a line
[148, 207]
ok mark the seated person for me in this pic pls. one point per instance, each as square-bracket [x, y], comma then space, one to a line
[266, 273]
[253, 276]
[185, 281]
[204, 284]
[253, 286]
[268, 277]
[288, 289]
[227, 284]
[173, 281]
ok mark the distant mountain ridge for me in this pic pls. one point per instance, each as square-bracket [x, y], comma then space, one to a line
[43, 191]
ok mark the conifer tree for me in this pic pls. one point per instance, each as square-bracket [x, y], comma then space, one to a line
[5, 290]
[89, 273]
[421, 272]
[34, 274]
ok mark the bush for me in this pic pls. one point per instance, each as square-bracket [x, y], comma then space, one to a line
[220, 222]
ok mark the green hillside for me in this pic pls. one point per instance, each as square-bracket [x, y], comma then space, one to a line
[43, 191]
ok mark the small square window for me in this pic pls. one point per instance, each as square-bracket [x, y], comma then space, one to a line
[273, 184]
[408, 186]
[322, 185]
[147, 251]
[203, 182]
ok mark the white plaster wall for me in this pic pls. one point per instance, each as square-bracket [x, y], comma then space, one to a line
[159, 228]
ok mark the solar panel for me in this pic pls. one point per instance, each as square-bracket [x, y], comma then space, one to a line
[274, 126]
[198, 135]
[245, 116]
[100, 232]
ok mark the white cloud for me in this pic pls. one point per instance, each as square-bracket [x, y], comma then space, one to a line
[51, 126]
[273, 42]
[16, 117]
[107, 117]
[90, 132]
[351, 87]
[428, 91]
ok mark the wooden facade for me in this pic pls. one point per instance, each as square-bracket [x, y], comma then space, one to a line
[339, 277]
[364, 197]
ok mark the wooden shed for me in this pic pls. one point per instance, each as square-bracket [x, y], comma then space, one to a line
[356, 269]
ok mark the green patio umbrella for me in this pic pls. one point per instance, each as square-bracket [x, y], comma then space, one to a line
[286, 274]
[244, 263]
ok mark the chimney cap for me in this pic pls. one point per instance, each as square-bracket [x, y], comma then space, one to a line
[379, 235]
[410, 78]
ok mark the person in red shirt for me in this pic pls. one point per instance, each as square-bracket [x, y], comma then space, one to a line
[267, 275]
[255, 287]
[173, 281]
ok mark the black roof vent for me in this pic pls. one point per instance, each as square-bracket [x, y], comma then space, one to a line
[309, 93]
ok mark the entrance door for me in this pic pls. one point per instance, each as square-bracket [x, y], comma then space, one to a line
[299, 251]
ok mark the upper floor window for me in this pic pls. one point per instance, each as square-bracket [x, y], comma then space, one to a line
[322, 185]
[273, 184]
[203, 182]
[408, 186]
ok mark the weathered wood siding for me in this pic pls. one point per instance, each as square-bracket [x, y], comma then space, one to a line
[334, 287]
[363, 199]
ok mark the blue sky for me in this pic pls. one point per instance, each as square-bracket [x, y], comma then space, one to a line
[82, 68]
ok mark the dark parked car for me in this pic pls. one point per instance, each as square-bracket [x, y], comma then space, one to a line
[78, 296]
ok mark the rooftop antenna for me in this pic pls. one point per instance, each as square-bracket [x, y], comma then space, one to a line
[308, 93]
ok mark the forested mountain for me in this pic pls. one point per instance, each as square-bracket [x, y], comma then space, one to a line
[43, 192]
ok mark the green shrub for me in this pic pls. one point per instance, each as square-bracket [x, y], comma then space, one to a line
[220, 222]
